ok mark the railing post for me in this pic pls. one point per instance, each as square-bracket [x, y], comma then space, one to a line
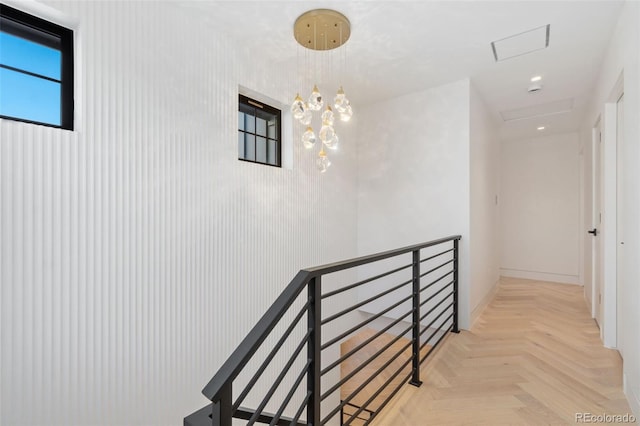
[222, 414]
[314, 321]
[415, 347]
[456, 328]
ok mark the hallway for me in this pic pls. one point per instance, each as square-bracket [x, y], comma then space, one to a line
[533, 357]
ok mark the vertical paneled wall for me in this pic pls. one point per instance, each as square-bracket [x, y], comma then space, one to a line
[137, 251]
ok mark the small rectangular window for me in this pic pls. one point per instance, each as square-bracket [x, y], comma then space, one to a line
[36, 70]
[259, 132]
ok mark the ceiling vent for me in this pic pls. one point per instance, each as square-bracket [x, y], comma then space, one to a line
[542, 110]
[521, 44]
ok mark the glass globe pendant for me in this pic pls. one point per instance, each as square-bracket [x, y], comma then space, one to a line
[347, 114]
[306, 117]
[315, 100]
[340, 102]
[322, 162]
[326, 133]
[308, 138]
[327, 116]
[298, 107]
[332, 143]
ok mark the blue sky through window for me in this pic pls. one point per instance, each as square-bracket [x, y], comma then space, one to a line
[25, 96]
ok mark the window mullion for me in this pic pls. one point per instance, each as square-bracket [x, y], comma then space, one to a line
[29, 73]
[44, 71]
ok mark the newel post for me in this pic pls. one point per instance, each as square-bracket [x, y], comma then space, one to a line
[415, 301]
[314, 321]
[222, 415]
[456, 328]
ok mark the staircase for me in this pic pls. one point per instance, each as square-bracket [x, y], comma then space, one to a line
[286, 369]
[381, 368]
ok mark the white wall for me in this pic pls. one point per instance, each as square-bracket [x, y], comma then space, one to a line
[484, 212]
[413, 174]
[623, 55]
[540, 207]
[138, 251]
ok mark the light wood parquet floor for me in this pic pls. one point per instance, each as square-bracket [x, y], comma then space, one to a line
[533, 357]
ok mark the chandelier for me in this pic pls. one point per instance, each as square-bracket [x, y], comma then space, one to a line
[321, 30]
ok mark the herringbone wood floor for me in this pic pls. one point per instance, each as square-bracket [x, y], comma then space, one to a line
[534, 357]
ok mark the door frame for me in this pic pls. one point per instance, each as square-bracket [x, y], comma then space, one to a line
[594, 221]
[609, 261]
[620, 257]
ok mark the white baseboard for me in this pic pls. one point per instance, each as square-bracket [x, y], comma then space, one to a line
[632, 396]
[540, 276]
[484, 303]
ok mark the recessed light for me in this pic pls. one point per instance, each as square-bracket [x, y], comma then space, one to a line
[541, 128]
[536, 78]
[535, 87]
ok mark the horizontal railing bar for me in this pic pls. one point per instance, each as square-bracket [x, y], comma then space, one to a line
[368, 280]
[436, 280]
[362, 419]
[294, 421]
[431, 323]
[439, 339]
[380, 389]
[363, 323]
[436, 255]
[436, 268]
[366, 382]
[292, 391]
[439, 315]
[436, 329]
[364, 302]
[381, 369]
[357, 406]
[363, 344]
[280, 377]
[436, 293]
[358, 261]
[390, 397]
[364, 364]
[250, 344]
[246, 413]
[270, 357]
[439, 303]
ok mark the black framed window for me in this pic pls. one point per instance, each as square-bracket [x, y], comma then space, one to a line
[259, 132]
[36, 70]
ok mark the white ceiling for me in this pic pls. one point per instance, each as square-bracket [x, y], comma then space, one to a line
[397, 47]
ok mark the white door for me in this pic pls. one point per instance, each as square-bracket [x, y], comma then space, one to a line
[596, 226]
[620, 211]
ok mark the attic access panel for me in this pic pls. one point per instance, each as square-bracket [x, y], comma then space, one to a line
[521, 44]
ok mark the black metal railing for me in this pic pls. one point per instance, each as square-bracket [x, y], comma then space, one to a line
[408, 293]
[348, 410]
